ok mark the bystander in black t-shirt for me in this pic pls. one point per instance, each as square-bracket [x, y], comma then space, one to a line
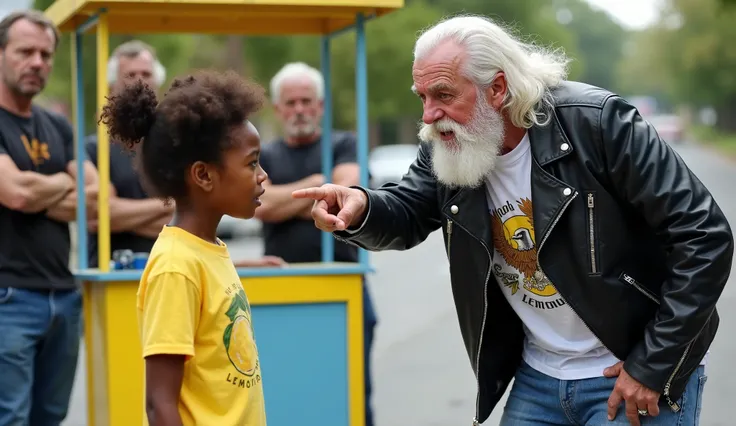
[127, 184]
[297, 240]
[34, 249]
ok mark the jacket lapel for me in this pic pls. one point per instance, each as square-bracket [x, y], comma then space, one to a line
[549, 194]
[468, 208]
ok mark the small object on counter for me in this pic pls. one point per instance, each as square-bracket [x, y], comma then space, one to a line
[139, 260]
[123, 259]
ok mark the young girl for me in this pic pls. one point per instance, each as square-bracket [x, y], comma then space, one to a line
[197, 148]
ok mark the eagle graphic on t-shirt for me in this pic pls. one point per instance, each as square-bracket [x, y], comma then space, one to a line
[514, 241]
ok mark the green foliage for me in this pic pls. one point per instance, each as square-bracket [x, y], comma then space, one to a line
[389, 45]
[599, 40]
[688, 58]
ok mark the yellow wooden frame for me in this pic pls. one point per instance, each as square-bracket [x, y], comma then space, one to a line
[220, 16]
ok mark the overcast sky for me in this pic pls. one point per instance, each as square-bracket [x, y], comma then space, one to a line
[7, 6]
[634, 14]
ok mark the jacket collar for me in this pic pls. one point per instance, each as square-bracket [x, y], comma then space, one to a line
[549, 143]
[468, 207]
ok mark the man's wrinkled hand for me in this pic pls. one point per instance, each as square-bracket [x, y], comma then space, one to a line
[635, 395]
[336, 207]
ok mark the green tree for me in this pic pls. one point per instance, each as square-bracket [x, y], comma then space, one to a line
[598, 38]
[644, 68]
[389, 44]
[691, 52]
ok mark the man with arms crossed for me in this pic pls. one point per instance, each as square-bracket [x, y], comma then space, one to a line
[40, 304]
[295, 162]
[586, 258]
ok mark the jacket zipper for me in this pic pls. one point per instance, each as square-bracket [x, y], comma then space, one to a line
[591, 233]
[673, 404]
[539, 250]
[485, 313]
[630, 280]
[449, 240]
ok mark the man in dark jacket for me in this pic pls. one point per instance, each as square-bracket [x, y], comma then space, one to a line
[586, 258]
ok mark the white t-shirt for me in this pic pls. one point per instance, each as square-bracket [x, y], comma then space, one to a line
[557, 342]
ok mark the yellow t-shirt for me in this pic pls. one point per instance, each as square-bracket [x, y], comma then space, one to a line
[191, 302]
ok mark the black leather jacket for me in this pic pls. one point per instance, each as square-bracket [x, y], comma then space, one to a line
[633, 241]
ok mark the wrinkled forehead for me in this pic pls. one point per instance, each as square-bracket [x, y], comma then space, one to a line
[299, 87]
[141, 63]
[440, 68]
[28, 34]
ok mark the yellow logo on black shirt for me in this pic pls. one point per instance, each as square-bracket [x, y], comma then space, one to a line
[38, 151]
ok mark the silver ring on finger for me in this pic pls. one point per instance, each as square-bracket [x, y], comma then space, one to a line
[643, 413]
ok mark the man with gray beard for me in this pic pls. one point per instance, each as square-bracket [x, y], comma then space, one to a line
[294, 162]
[586, 258]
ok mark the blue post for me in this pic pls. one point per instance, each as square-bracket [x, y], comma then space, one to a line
[90, 22]
[328, 241]
[361, 100]
[80, 155]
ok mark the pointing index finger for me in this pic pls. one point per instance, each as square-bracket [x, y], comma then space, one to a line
[313, 193]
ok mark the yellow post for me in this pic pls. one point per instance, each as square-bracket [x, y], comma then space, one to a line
[103, 148]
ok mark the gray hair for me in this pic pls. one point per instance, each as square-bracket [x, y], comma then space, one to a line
[34, 16]
[530, 71]
[295, 70]
[132, 49]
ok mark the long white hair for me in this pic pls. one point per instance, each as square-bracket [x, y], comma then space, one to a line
[530, 70]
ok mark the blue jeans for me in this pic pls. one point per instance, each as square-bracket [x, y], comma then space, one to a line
[537, 399]
[39, 345]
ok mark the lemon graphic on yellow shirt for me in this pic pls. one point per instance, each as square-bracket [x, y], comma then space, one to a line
[238, 338]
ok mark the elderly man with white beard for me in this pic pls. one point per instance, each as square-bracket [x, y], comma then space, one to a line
[586, 259]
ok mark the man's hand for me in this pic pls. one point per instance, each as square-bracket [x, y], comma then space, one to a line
[265, 261]
[66, 209]
[91, 194]
[336, 208]
[637, 396]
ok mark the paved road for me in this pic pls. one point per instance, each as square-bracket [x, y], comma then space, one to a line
[422, 375]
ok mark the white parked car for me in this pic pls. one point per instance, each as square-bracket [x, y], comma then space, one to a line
[231, 227]
[389, 163]
[669, 127]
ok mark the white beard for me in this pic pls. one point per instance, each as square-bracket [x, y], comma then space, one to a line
[477, 146]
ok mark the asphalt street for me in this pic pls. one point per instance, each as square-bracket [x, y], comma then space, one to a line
[422, 375]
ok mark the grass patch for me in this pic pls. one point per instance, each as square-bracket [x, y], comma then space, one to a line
[723, 142]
